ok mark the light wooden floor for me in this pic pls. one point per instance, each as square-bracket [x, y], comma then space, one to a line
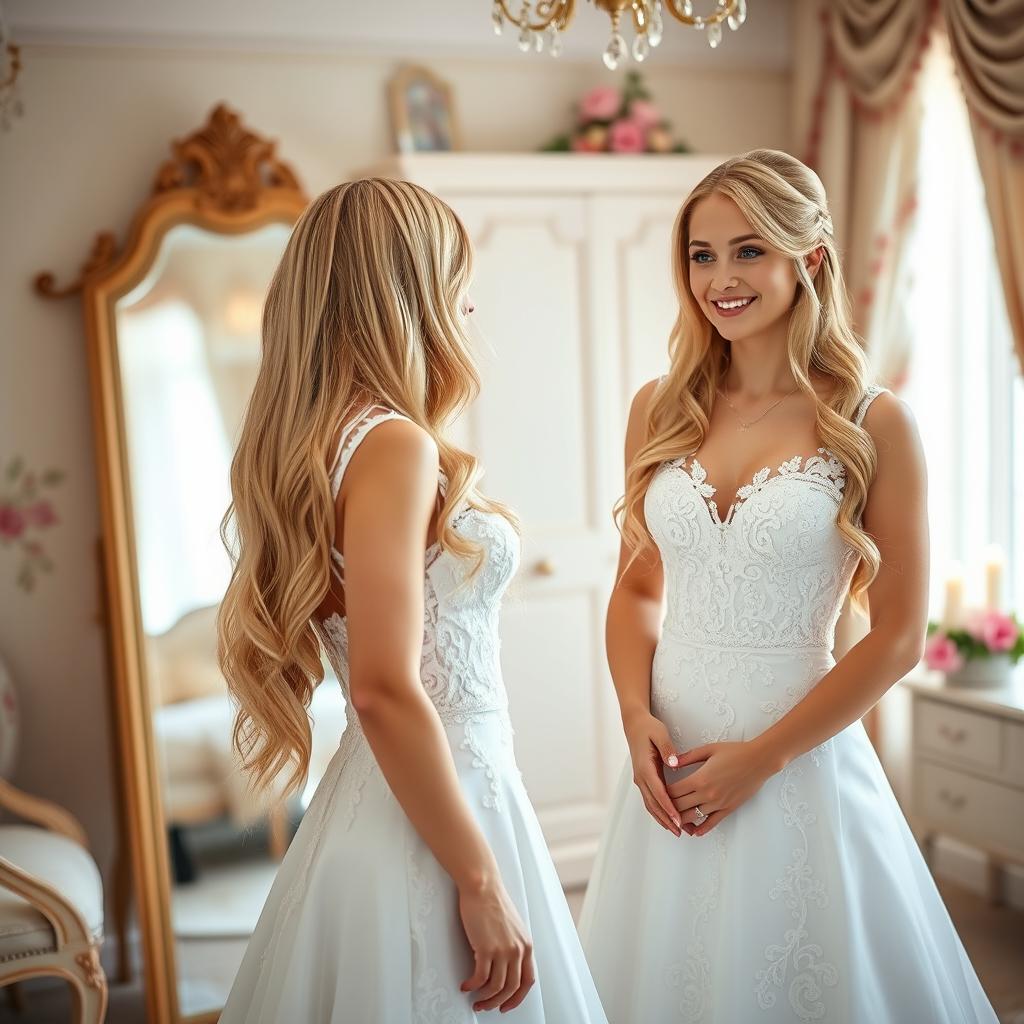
[993, 937]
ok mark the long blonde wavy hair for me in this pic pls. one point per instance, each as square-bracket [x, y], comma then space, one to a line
[785, 203]
[362, 309]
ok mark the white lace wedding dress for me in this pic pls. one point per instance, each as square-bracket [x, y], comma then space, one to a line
[361, 925]
[811, 902]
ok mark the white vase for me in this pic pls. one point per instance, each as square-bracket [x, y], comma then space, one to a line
[983, 673]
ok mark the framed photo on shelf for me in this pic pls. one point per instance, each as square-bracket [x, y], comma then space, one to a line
[422, 113]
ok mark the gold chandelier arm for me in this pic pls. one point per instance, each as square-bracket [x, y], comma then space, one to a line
[548, 8]
[547, 12]
[721, 13]
[641, 15]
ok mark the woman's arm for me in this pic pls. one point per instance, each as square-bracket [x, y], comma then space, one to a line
[895, 515]
[632, 628]
[389, 495]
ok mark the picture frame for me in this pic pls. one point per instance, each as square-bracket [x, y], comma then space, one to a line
[422, 111]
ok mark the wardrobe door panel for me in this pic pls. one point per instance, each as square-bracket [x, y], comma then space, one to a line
[537, 427]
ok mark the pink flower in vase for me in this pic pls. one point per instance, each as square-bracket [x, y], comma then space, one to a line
[997, 631]
[12, 522]
[644, 113]
[627, 136]
[600, 104]
[940, 654]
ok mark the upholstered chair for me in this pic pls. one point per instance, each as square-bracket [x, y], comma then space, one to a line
[51, 902]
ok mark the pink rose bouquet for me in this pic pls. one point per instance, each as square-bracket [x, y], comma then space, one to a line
[613, 120]
[985, 633]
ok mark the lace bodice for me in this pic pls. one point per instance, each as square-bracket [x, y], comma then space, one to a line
[460, 666]
[772, 574]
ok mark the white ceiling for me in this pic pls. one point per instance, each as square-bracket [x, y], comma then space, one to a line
[405, 28]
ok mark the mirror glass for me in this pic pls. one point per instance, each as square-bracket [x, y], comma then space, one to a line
[188, 344]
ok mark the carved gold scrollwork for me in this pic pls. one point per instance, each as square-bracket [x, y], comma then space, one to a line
[226, 163]
[228, 170]
[104, 252]
[89, 961]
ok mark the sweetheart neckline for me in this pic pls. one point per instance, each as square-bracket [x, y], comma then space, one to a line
[795, 467]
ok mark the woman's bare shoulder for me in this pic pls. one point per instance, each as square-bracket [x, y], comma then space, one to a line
[395, 448]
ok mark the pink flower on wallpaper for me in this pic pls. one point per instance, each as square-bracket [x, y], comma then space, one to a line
[41, 513]
[644, 113]
[23, 509]
[627, 136]
[940, 653]
[12, 522]
[600, 104]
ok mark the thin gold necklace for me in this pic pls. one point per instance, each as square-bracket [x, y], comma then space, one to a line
[744, 424]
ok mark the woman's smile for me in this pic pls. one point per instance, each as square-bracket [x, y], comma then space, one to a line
[733, 307]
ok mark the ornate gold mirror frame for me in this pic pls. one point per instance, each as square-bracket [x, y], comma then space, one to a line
[226, 180]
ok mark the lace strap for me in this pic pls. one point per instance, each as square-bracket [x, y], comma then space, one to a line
[352, 436]
[873, 391]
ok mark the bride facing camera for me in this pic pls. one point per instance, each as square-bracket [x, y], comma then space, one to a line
[762, 868]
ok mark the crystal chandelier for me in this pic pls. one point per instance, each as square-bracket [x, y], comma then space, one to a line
[540, 20]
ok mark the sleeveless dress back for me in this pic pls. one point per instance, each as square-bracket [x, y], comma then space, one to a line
[362, 922]
[812, 901]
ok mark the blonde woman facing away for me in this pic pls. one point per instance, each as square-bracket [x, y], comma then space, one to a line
[418, 886]
[764, 871]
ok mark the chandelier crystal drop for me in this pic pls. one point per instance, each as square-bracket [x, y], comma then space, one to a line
[542, 23]
[616, 51]
[554, 40]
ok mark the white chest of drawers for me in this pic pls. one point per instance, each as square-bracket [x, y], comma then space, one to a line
[968, 768]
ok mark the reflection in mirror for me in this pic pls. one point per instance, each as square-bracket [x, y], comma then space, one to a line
[188, 339]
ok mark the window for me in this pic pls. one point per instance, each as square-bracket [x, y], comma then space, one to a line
[965, 382]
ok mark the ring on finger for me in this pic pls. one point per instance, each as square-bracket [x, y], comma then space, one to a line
[700, 816]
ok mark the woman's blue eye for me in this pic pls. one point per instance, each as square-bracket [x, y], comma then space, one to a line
[703, 252]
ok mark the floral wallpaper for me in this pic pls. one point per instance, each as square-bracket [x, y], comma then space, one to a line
[26, 512]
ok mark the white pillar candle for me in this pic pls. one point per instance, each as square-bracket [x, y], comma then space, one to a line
[953, 614]
[993, 577]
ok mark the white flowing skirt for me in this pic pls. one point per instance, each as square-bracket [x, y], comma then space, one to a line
[811, 902]
[362, 923]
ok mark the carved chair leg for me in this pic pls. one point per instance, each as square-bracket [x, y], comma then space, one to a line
[181, 860]
[89, 987]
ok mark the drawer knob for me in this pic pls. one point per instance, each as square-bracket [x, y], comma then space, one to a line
[953, 735]
[955, 801]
